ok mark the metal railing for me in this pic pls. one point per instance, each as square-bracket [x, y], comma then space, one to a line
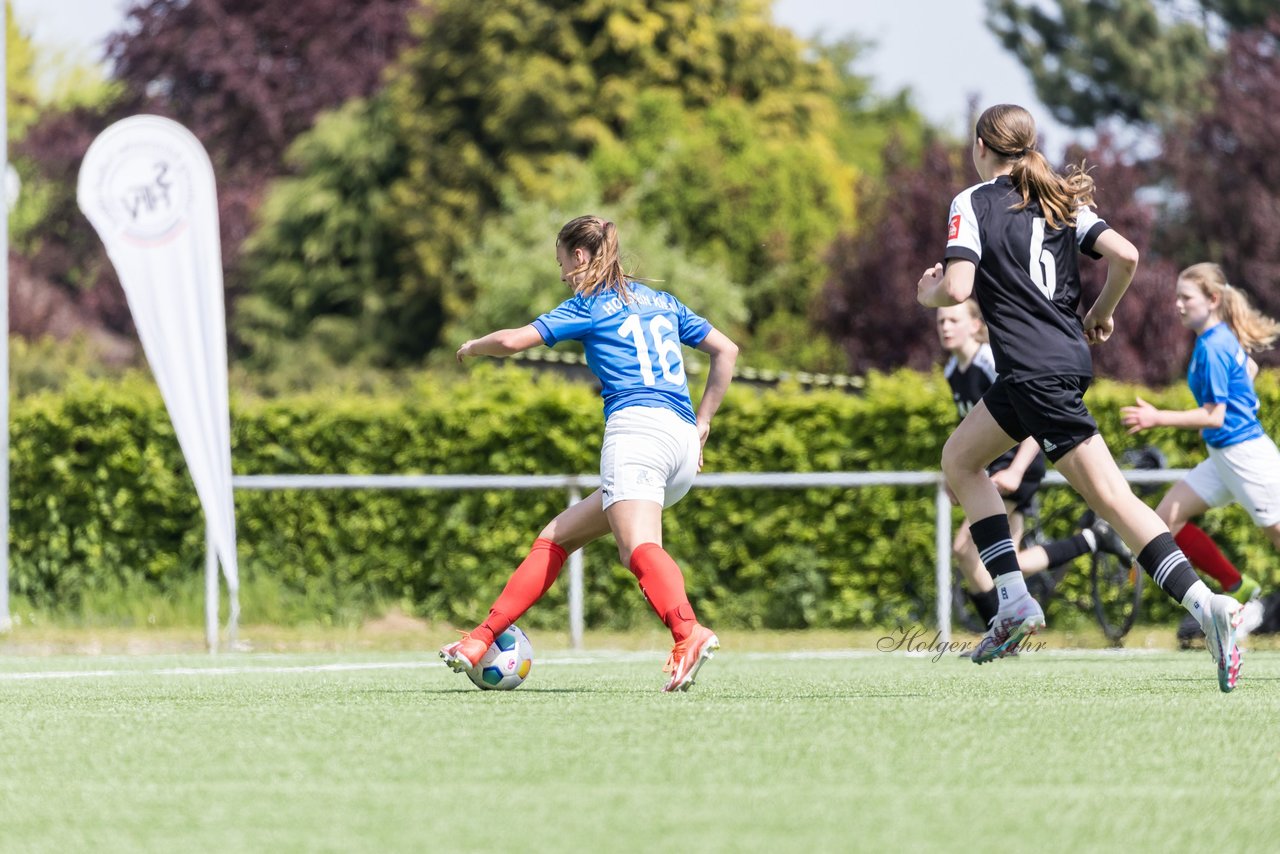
[574, 485]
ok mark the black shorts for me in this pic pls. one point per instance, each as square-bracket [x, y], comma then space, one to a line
[1049, 408]
[1021, 497]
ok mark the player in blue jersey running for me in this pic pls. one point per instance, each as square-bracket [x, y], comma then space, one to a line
[653, 438]
[1243, 464]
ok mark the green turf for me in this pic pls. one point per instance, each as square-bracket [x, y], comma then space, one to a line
[1053, 752]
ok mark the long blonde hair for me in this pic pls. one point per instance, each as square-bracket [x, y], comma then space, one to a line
[1009, 132]
[603, 270]
[1254, 329]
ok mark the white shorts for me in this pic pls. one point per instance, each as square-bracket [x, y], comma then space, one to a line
[1248, 473]
[649, 453]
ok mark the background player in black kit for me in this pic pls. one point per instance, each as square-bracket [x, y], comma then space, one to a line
[1012, 242]
[970, 370]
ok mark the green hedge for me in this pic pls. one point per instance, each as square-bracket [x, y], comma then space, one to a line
[102, 504]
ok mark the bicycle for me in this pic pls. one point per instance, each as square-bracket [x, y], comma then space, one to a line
[1115, 584]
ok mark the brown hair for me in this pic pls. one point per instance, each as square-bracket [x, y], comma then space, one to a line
[1254, 329]
[603, 270]
[1009, 132]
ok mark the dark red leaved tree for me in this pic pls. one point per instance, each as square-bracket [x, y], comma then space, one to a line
[1224, 167]
[869, 302]
[245, 77]
[1149, 345]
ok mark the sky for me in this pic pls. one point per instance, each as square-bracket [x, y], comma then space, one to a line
[940, 49]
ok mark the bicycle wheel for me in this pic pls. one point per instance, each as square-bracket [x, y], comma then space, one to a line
[1116, 589]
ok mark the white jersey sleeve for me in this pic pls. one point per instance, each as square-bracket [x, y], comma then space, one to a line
[964, 239]
[1088, 226]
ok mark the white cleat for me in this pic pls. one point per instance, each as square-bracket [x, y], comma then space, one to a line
[1220, 628]
[1008, 630]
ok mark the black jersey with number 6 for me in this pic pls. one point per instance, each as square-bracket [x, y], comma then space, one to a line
[1027, 283]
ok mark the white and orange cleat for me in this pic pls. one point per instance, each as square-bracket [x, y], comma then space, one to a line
[687, 657]
[463, 654]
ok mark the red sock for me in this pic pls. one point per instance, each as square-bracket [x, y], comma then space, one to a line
[532, 578]
[663, 586]
[1205, 556]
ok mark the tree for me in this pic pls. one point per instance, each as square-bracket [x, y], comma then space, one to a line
[245, 77]
[248, 77]
[60, 249]
[1224, 172]
[731, 189]
[22, 88]
[1149, 345]
[324, 267]
[870, 306]
[497, 94]
[1139, 61]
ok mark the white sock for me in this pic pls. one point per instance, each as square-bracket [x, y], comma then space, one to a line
[1092, 539]
[1197, 601]
[1011, 587]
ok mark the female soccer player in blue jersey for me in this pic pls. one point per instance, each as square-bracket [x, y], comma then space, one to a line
[1012, 242]
[1243, 463]
[653, 439]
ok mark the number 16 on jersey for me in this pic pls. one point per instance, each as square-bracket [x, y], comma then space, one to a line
[668, 351]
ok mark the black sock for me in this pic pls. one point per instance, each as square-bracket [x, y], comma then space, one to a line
[1061, 551]
[986, 603]
[995, 544]
[1165, 562]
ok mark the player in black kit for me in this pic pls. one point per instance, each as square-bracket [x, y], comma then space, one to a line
[970, 370]
[1012, 242]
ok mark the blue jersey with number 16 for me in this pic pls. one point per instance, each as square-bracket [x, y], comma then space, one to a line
[633, 345]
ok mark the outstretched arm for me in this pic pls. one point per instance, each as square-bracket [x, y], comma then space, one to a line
[724, 354]
[504, 342]
[1122, 262]
[1144, 416]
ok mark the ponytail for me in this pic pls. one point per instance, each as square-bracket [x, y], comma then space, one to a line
[1009, 131]
[1059, 197]
[1254, 329]
[603, 270]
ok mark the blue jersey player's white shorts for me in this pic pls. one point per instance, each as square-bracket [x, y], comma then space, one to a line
[649, 453]
[1247, 472]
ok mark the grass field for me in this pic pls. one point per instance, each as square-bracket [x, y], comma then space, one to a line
[834, 751]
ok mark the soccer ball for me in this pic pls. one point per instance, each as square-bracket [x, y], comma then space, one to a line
[506, 663]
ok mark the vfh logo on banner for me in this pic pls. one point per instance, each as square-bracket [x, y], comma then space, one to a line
[147, 186]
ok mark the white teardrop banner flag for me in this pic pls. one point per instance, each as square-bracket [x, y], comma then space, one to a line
[147, 186]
